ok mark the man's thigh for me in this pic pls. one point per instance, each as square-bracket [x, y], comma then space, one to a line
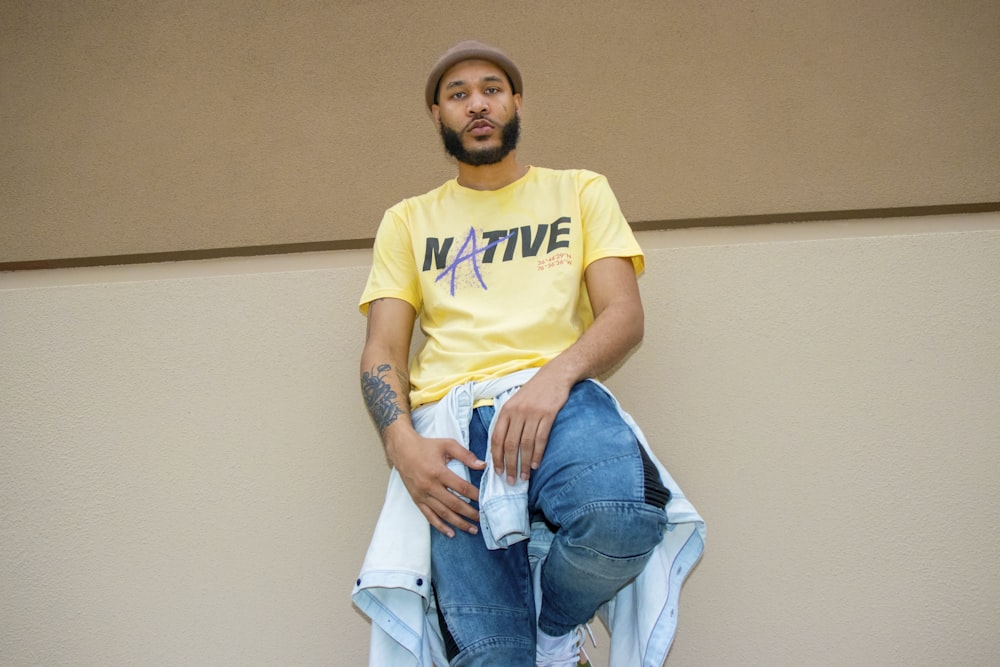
[484, 597]
[592, 456]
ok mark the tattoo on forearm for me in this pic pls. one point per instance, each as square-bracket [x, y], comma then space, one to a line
[381, 400]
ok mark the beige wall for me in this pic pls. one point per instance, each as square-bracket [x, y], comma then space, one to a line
[187, 474]
[149, 127]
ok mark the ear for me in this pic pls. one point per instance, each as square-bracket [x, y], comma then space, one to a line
[517, 103]
[436, 114]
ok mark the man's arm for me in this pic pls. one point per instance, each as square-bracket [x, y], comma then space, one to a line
[421, 462]
[385, 382]
[526, 419]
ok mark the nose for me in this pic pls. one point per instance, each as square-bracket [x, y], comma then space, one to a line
[477, 105]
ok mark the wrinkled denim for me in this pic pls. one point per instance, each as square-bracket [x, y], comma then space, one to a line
[394, 587]
[590, 489]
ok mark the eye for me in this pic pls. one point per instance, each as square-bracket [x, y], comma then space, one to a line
[457, 95]
[492, 90]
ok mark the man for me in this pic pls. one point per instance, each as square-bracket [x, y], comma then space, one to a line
[524, 282]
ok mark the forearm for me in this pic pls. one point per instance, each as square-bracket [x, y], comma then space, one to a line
[616, 331]
[421, 462]
[617, 327]
[385, 387]
[385, 380]
[382, 387]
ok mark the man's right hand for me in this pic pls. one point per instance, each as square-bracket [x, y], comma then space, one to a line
[422, 464]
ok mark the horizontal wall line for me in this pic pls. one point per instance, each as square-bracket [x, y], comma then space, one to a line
[355, 244]
[817, 216]
[185, 255]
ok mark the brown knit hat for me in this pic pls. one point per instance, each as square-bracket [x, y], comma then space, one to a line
[471, 50]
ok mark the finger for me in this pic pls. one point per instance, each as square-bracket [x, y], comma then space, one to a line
[453, 482]
[527, 448]
[436, 522]
[541, 442]
[447, 490]
[460, 453]
[461, 515]
[500, 428]
[511, 446]
[527, 455]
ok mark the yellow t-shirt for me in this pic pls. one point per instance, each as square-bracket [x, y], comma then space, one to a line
[496, 277]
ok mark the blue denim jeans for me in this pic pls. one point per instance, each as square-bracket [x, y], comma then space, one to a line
[598, 492]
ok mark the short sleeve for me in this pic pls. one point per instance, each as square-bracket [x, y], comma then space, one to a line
[606, 233]
[394, 271]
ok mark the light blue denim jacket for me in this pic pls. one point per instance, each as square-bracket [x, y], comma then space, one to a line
[394, 587]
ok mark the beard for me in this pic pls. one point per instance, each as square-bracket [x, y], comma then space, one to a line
[509, 135]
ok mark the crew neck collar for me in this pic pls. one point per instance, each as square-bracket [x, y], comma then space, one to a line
[527, 174]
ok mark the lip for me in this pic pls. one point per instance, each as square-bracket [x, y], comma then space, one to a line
[480, 127]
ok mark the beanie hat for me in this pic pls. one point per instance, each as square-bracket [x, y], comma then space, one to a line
[470, 50]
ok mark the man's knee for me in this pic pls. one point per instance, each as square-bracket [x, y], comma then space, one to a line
[616, 530]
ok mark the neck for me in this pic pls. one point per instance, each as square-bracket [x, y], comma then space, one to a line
[491, 176]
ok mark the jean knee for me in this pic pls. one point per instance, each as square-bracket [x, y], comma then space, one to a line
[616, 530]
[603, 547]
[486, 635]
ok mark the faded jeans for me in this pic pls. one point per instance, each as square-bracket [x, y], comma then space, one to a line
[602, 497]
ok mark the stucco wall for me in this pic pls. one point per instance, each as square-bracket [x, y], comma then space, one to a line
[133, 127]
[187, 474]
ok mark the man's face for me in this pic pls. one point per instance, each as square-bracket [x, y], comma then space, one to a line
[477, 113]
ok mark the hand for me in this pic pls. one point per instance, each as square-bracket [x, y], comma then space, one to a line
[524, 424]
[422, 464]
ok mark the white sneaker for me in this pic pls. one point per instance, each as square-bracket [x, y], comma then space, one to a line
[564, 651]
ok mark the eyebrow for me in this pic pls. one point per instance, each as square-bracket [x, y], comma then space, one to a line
[490, 78]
